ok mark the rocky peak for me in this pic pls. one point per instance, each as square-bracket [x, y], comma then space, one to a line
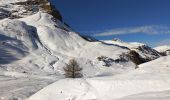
[22, 8]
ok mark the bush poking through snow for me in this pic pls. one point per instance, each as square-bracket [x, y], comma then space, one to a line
[73, 70]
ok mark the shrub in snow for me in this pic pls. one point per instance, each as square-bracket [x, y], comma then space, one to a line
[73, 70]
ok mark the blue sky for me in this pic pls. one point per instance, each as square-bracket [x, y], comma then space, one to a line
[145, 21]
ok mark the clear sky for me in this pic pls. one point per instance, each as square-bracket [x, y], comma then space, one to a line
[145, 21]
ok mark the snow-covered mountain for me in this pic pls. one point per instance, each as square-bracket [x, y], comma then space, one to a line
[42, 42]
[164, 50]
[35, 45]
[141, 52]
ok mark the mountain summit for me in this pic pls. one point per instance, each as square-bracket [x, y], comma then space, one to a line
[22, 8]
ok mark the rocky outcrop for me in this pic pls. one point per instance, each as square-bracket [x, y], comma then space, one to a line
[139, 53]
[25, 8]
[109, 61]
[148, 52]
[136, 58]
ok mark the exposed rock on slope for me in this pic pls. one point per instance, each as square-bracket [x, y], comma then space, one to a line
[136, 58]
[37, 45]
[45, 44]
[139, 53]
[21, 8]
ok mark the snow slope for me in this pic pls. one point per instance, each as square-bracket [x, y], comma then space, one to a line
[150, 82]
[35, 45]
[12, 88]
[49, 44]
[143, 50]
[163, 49]
[10, 1]
[162, 95]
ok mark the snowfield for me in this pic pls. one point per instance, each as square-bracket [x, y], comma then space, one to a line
[163, 49]
[150, 82]
[35, 46]
[98, 89]
[162, 95]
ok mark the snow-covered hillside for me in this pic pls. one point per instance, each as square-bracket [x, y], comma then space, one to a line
[35, 45]
[164, 50]
[39, 36]
[149, 82]
[145, 52]
[44, 43]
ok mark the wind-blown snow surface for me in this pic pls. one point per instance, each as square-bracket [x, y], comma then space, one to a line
[150, 82]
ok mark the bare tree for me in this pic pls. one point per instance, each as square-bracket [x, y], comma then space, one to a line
[73, 70]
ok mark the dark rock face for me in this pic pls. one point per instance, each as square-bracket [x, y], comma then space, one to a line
[147, 50]
[44, 5]
[147, 54]
[56, 13]
[4, 13]
[136, 58]
[26, 8]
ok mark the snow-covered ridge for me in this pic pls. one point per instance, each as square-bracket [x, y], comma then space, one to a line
[143, 50]
[131, 45]
[11, 1]
[163, 49]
